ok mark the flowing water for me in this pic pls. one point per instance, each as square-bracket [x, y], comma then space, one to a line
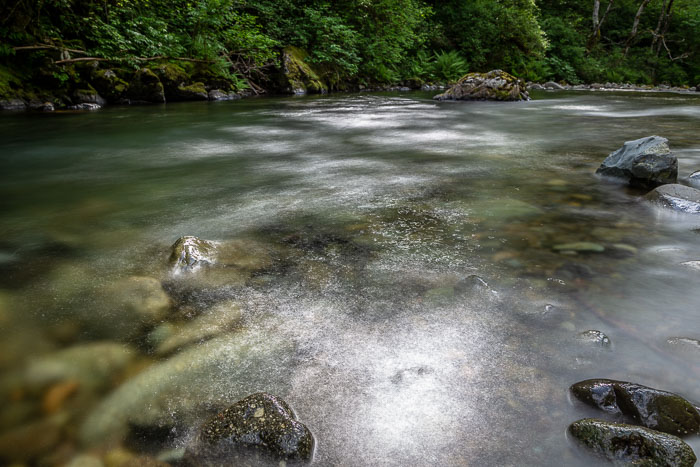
[360, 225]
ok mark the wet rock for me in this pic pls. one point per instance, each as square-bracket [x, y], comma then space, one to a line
[92, 366]
[219, 95]
[694, 179]
[88, 96]
[190, 253]
[221, 318]
[41, 106]
[262, 421]
[580, 247]
[176, 393]
[228, 263]
[145, 87]
[679, 198]
[594, 337]
[551, 85]
[652, 408]
[632, 445]
[645, 162]
[85, 106]
[13, 104]
[495, 85]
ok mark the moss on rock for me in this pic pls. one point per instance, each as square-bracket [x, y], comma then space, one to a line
[632, 445]
[146, 87]
[299, 76]
[496, 85]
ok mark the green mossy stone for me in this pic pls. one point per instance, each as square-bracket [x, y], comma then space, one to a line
[632, 445]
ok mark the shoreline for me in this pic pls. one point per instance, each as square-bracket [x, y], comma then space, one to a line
[19, 105]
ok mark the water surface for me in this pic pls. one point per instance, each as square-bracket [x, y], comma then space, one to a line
[373, 214]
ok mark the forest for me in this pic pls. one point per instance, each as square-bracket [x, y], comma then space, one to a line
[351, 43]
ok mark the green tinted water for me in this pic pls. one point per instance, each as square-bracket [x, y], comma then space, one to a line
[358, 218]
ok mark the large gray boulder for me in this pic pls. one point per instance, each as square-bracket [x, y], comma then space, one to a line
[496, 85]
[632, 445]
[679, 198]
[655, 409]
[645, 162]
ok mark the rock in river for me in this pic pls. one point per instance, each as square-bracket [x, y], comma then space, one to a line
[659, 410]
[645, 162]
[496, 85]
[260, 420]
[632, 445]
[178, 392]
[677, 197]
[190, 253]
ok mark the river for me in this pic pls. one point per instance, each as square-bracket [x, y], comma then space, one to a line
[397, 279]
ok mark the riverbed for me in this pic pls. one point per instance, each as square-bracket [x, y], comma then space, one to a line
[398, 281]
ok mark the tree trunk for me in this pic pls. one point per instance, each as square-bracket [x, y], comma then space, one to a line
[597, 23]
[635, 26]
[662, 26]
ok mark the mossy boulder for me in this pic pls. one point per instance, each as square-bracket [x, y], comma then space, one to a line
[655, 409]
[145, 87]
[632, 445]
[261, 421]
[192, 92]
[109, 85]
[297, 75]
[645, 163]
[496, 85]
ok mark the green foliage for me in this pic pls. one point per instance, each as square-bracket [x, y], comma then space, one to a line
[383, 41]
[448, 66]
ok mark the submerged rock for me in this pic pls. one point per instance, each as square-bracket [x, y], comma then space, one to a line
[176, 393]
[684, 345]
[580, 247]
[676, 197]
[221, 318]
[632, 445]
[260, 420]
[645, 162]
[659, 410]
[471, 283]
[594, 337]
[495, 85]
[93, 366]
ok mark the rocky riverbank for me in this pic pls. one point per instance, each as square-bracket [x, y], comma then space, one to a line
[553, 86]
